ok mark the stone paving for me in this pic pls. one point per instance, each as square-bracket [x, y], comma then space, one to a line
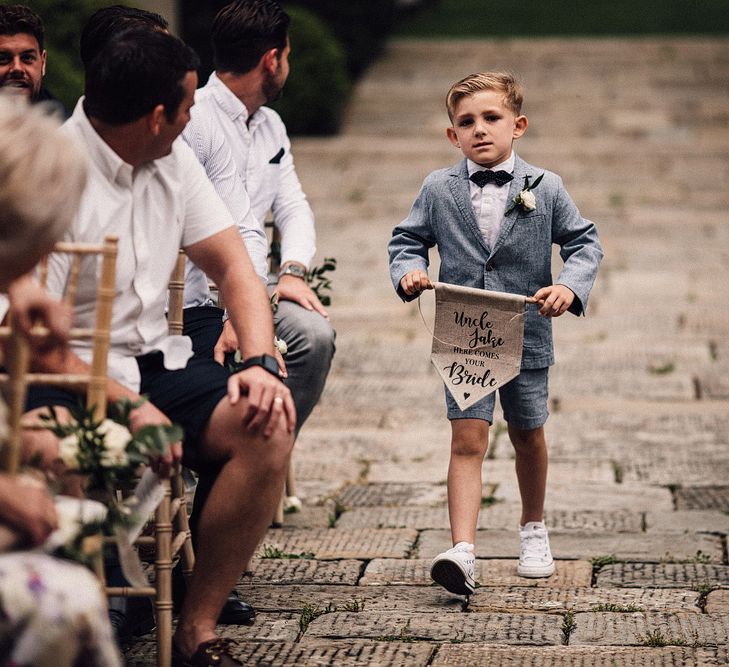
[638, 497]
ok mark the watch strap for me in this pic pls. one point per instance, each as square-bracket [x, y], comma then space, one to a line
[266, 361]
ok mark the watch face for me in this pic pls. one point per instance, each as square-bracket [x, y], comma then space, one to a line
[265, 361]
[270, 364]
[294, 270]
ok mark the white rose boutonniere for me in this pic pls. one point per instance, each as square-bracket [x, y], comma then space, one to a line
[526, 199]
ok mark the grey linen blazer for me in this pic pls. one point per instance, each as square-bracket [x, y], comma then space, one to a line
[521, 260]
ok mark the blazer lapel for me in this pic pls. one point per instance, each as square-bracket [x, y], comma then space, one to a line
[460, 189]
[521, 171]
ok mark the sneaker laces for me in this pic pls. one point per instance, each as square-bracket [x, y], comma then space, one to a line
[462, 547]
[534, 544]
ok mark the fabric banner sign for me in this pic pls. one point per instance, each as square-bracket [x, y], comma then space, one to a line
[477, 340]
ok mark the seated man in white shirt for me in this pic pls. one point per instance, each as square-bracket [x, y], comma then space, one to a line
[148, 188]
[203, 319]
[251, 45]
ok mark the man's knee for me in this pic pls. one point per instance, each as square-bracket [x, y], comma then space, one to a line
[305, 332]
[321, 336]
[229, 439]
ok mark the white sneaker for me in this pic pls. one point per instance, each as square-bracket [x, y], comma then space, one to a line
[454, 569]
[535, 559]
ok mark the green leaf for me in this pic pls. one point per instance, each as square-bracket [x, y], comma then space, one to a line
[317, 281]
[537, 182]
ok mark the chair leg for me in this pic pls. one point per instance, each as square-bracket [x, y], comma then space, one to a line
[163, 584]
[182, 525]
[278, 518]
[290, 480]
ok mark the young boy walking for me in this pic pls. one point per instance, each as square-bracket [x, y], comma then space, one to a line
[494, 219]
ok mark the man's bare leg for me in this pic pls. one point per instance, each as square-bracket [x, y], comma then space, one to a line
[235, 517]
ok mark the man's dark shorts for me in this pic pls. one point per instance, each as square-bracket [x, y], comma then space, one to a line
[203, 324]
[187, 396]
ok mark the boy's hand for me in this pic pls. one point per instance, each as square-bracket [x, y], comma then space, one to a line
[415, 282]
[556, 300]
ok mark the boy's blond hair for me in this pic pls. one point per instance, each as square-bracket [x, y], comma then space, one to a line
[501, 82]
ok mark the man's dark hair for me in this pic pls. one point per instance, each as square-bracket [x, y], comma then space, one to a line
[110, 21]
[15, 19]
[244, 30]
[134, 72]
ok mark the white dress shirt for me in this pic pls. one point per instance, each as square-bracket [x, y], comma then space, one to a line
[154, 210]
[489, 202]
[262, 153]
[213, 151]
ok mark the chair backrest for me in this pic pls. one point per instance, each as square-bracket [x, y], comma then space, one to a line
[176, 296]
[18, 377]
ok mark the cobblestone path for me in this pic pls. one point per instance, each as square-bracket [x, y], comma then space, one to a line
[638, 496]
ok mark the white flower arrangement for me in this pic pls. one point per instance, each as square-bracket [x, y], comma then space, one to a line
[108, 456]
[526, 199]
[105, 452]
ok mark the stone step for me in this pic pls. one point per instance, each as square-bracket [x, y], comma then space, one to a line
[523, 599]
[624, 546]
[455, 655]
[645, 629]
[492, 573]
[519, 629]
[698, 576]
[328, 544]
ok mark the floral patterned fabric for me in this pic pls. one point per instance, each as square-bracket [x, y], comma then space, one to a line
[52, 614]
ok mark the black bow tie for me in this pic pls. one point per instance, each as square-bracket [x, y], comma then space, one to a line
[480, 178]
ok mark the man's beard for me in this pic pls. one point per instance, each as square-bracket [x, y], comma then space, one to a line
[28, 89]
[271, 89]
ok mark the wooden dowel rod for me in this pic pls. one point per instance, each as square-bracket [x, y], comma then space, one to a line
[127, 591]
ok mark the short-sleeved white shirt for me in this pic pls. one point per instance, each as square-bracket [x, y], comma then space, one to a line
[155, 210]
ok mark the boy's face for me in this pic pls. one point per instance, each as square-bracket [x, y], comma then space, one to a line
[484, 128]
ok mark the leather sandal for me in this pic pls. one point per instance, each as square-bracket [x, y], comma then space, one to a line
[214, 653]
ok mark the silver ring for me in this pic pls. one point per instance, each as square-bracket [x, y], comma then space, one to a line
[278, 399]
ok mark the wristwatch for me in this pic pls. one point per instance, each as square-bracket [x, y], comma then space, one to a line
[293, 270]
[265, 361]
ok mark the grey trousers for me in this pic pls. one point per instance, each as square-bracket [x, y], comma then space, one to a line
[310, 339]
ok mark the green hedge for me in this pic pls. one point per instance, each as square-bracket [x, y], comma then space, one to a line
[360, 26]
[196, 21]
[529, 18]
[318, 86]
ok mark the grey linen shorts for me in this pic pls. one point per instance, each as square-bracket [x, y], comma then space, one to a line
[523, 400]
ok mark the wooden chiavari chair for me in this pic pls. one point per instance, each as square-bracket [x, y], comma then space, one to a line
[171, 538]
[18, 377]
